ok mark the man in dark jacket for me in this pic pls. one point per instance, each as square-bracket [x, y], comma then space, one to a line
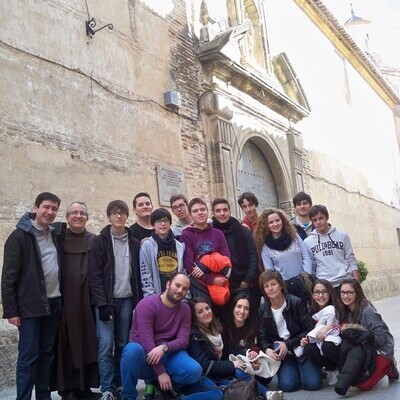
[31, 293]
[242, 249]
[114, 280]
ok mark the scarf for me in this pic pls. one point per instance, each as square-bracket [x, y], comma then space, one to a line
[240, 249]
[167, 244]
[281, 243]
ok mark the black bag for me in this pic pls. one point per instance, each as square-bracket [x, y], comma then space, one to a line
[297, 286]
[241, 389]
[198, 289]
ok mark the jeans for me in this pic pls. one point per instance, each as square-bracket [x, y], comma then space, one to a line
[112, 337]
[183, 370]
[36, 345]
[203, 390]
[293, 375]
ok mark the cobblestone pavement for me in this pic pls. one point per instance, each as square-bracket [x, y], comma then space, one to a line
[390, 310]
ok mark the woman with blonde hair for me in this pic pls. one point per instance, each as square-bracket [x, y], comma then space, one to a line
[281, 249]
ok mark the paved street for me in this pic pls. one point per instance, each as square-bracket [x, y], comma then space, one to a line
[390, 310]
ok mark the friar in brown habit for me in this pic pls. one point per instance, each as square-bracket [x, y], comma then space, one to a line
[76, 369]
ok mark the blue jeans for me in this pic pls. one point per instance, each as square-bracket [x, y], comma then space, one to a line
[183, 370]
[293, 375]
[36, 345]
[112, 337]
[203, 390]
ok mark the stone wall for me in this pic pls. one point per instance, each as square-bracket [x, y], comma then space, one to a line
[8, 351]
[85, 118]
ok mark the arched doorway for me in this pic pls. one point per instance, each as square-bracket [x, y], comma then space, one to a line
[255, 175]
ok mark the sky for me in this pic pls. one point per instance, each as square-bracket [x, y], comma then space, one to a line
[385, 24]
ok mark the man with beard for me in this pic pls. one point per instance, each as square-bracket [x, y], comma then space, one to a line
[242, 248]
[159, 337]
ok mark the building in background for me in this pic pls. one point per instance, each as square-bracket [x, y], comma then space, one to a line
[207, 97]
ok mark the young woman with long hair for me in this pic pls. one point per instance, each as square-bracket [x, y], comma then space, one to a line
[206, 346]
[368, 324]
[324, 350]
[240, 326]
[281, 249]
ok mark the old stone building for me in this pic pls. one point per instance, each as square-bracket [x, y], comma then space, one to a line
[212, 97]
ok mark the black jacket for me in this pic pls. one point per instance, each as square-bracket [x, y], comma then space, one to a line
[201, 349]
[298, 322]
[23, 288]
[357, 359]
[243, 252]
[102, 266]
[300, 230]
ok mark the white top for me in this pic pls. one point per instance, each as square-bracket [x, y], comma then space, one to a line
[280, 322]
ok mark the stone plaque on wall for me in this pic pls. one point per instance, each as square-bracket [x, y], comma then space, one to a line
[170, 181]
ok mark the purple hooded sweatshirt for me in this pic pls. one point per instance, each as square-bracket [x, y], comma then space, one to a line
[199, 242]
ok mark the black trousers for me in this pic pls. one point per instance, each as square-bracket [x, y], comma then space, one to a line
[328, 360]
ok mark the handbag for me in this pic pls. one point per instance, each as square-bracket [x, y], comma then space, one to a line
[237, 389]
[241, 389]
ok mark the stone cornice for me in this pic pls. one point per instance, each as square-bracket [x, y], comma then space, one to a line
[345, 44]
[220, 65]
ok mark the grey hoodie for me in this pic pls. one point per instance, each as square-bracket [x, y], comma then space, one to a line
[150, 275]
[332, 255]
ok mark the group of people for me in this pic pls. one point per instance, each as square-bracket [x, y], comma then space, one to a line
[188, 306]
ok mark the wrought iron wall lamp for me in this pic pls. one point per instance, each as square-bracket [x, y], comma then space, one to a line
[91, 24]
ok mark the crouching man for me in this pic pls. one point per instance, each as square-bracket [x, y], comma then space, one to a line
[160, 333]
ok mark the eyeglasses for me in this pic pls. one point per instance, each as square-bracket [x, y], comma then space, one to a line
[320, 293]
[116, 213]
[347, 293]
[162, 221]
[75, 213]
[178, 206]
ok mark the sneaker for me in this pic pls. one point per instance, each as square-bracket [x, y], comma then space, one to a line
[332, 377]
[107, 396]
[118, 393]
[274, 395]
[393, 373]
[149, 392]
